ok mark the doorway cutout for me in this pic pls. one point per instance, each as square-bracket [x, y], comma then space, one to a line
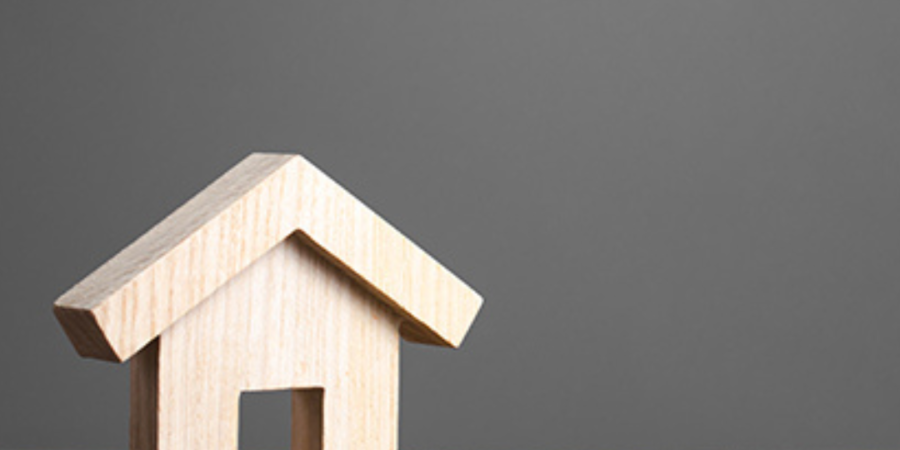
[281, 420]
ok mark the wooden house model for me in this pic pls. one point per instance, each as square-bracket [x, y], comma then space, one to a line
[272, 278]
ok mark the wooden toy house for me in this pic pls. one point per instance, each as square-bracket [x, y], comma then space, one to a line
[273, 277]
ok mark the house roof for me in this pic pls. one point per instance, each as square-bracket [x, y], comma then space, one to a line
[135, 296]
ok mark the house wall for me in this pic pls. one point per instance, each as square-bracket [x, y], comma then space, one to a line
[291, 320]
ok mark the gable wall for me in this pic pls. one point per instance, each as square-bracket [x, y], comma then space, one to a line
[290, 320]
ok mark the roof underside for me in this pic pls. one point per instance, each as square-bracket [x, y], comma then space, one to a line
[147, 287]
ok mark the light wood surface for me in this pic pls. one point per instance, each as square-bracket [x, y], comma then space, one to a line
[273, 278]
[148, 287]
[291, 320]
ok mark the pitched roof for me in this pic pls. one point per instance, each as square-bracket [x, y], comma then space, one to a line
[144, 289]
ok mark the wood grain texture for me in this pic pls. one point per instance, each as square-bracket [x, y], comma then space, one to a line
[165, 274]
[143, 419]
[291, 320]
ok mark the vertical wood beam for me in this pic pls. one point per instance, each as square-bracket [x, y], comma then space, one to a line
[306, 419]
[144, 419]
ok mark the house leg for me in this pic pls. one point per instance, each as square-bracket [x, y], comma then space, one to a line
[361, 411]
[144, 420]
[170, 410]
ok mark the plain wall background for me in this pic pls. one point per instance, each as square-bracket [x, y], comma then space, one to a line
[684, 215]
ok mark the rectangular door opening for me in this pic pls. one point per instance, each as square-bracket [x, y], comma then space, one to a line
[281, 420]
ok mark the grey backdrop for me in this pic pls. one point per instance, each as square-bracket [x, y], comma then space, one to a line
[684, 215]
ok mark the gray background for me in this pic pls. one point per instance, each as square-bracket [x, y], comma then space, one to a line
[684, 215]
